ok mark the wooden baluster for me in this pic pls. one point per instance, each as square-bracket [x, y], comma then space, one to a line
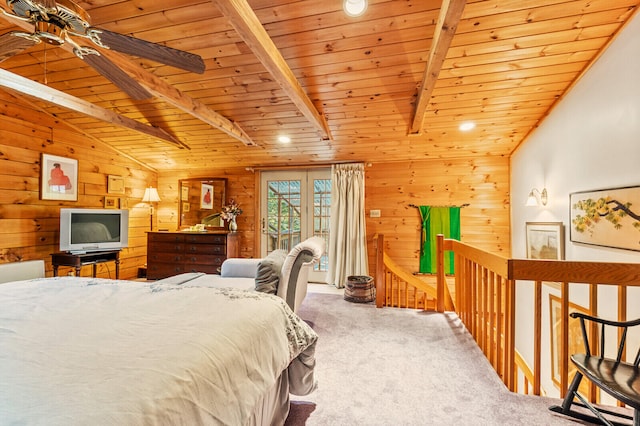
[537, 336]
[564, 338]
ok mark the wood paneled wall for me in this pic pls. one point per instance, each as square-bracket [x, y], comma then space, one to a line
[483, 183]
[241, 186]
[390, 187]
[29, 227]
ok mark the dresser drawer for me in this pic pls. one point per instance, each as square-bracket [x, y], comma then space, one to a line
[207, 269]
[204, 259]
[157, 271]
[165, 238]
[165, 248]
[206, 239]
[205, 249]
[158, 256]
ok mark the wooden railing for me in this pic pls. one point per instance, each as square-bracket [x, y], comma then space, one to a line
[485, 301]
[395, 287]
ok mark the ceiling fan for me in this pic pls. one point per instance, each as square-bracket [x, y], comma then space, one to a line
[60, 21]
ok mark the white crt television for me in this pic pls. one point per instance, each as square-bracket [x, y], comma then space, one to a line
[88, 230]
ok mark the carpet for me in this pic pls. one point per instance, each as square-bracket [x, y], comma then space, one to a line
[394, 366]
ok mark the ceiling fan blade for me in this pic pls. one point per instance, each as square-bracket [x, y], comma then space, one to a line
[118, 77]
[146, 49]
[13, 42]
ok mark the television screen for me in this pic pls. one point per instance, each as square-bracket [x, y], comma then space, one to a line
[83, 230]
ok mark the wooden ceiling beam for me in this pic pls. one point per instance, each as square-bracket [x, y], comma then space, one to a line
[162, 90]
[36, 90]
[250, 29]
[450, 14]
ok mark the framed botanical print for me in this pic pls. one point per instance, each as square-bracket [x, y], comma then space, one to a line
[606, 217]
[58, 178]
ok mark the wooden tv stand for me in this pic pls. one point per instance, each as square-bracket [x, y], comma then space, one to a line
[78, 260]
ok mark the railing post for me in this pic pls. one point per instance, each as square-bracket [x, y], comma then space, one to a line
[440, 282]
[380, 275]
[510, 335]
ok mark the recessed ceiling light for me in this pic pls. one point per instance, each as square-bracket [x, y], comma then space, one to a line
[284, 139]
[467, 125]
[354, 8]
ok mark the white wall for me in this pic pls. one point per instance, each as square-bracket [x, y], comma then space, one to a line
[591, 140]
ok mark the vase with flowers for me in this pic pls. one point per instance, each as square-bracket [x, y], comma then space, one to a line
[230, 212]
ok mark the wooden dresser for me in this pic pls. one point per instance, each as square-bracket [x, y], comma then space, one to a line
[172, 253]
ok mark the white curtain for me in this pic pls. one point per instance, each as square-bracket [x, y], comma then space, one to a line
[348, 241]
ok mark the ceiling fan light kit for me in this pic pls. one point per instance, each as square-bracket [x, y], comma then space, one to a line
[57, 22]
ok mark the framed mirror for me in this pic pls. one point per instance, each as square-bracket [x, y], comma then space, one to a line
[200, 202]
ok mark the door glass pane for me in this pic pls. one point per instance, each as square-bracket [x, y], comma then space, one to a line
[295, 205]
[321, 210]
[283, 214]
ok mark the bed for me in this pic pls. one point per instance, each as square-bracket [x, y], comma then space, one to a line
[78, 351]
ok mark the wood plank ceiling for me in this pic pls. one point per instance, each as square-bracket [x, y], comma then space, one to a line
[341, 88]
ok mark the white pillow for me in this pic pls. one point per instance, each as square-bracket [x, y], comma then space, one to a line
[237, 267]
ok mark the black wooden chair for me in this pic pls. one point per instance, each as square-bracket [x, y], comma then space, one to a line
[619, 379]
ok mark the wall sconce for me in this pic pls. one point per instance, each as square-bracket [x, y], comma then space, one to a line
[151, 196]
[537, 198]
[354, 8]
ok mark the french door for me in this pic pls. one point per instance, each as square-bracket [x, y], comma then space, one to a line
[295, 205]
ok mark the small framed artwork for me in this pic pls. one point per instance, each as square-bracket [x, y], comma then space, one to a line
[58, 178]
[185, 193]
[545, 240]
[111, 202]
[576, 343]
[186, 207]
[606, 217]
[206, 196]
[115, 184]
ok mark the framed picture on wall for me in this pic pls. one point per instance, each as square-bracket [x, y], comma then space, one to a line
[58, 178]
[111, 202]
[206, 196]
[115, 184]
[606, 217]
[545, 240]
[576, 343]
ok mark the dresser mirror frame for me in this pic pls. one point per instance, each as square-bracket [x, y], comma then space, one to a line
[190, 206]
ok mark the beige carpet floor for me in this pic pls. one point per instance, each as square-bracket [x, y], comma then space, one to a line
[404, 367]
